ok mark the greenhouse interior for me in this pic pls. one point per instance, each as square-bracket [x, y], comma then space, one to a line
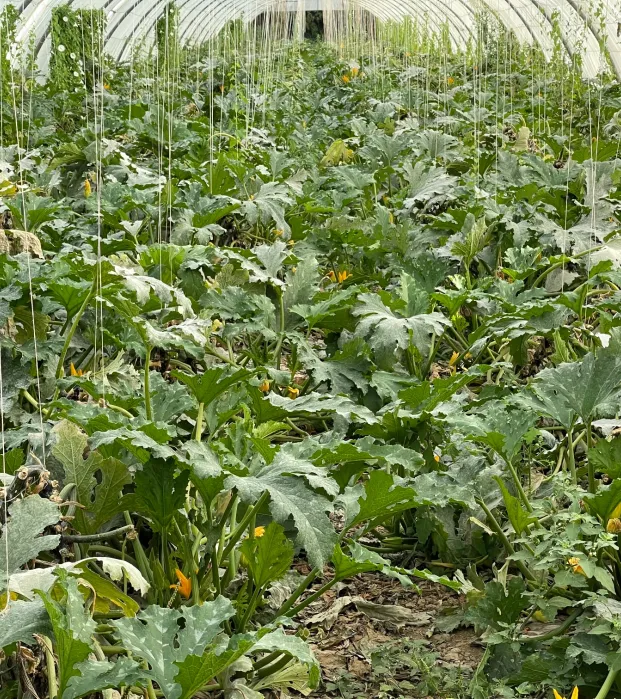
[310, 349]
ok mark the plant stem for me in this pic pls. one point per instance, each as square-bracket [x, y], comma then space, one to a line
[113, 553]
[275, 667]
[198, 433]
[311, 598]
[241, 527]
[493, 522]
[250, 609]
[605, 688]
[50, 663]
[147, 383]
[103, 536]
[142, 562]
[571, 457]
[299, 590]
[277, 351]
[590, 465]
[518, 485]
[554, 632]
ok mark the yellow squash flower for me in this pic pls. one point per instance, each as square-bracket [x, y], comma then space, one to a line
[450, 81]
[342, 276]
[264, 386]
[293, 392]
[576, 567]
[354, 72]
[614, 526]
[88, 190]
[574, 694]
[74, 371]
[184, 586]
[346, 79]
[258, 532]
[278, 232]
[331, 276]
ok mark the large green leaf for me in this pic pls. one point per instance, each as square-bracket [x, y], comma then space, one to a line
[606, 457]
[19, 620]
[73, 629]
[177, 655]
[293, 646]
[100, 497]
[269, 556]
[387, 332]
[96, 675]
[22, 538]
[207, 386]
[196, 671]
[606, 504]
[589, 388]
[291, 497]
[159, 493]
[382, 498]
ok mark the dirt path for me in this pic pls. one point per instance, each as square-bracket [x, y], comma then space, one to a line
[376, 639]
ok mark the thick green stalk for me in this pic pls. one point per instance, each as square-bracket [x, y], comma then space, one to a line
[299, 590]
[50, 663]
[252, 604]
[147, 383]
[142, 561]
[241, 527]
[278, 350]
[102, 536]
[571, 457]
[493, 522]
[608, 682]
[590, 465]
[198, 433]
[311, 598]
[518, 486]
[70, 334]
[561, 628]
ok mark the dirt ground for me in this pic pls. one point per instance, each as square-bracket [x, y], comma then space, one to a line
[376, 639]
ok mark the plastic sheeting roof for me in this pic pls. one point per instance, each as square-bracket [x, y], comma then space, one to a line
[129, 21]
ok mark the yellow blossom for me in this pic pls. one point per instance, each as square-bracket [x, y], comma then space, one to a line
[391, 217]
[258, 532]
[332, 276]
[216, 325]
[278, 232]
[453, 359]
[436, 458]
[265, 386]
[346, 79]
[293, 392]
[342, 276]
[574, 562]
[106, 86]
[614, 526]
[354, 72]
[574, 694]
[74, 371]
[88, 190]
[450, 81]
[184, 586]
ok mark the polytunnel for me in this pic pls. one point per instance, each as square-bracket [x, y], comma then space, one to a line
[592, 31]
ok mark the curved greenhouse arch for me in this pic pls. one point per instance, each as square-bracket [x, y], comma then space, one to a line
[532, 21]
